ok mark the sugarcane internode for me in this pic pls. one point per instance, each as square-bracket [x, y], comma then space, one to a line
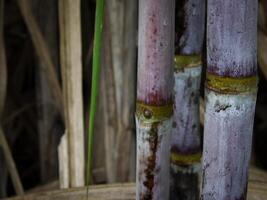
[185, 139]
[227, 144]
[187, 68]
[230, 105]
[153, 156]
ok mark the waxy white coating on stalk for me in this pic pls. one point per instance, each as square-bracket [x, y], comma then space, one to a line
[191, 40]
[232, 52]
[156, 51]
[154, 88]
[185, 129]
[232, 37]
[161, 170]
[185, 137]
[227, 145]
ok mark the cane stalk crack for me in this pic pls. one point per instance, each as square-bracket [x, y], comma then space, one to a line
[151, 160]
[154, 123]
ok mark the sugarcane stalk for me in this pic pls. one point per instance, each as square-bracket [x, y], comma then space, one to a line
[185, 138]
[231, 89]
[154, 98]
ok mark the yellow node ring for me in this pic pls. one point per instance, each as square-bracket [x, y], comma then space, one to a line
[185, 159]
[151, 114]
[231, 84]
[187, 61]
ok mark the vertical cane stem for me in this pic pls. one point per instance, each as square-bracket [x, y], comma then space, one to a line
[185, 140]
[231, 89]
[154, 97]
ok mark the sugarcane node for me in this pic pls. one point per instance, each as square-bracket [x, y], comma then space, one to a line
[185, 159]
[231, 85]
[148, 113]
[152, 114]
[182, 62]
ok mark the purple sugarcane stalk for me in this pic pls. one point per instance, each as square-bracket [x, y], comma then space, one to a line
[154, 98]
[231, 88]
[185, 139]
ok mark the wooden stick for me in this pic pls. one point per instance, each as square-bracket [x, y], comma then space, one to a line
[42, 52]
[108, 103]
[154, 97]
[63, 156]
[122, 15]
[70, 56]
[231, 90]
[185, 140]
